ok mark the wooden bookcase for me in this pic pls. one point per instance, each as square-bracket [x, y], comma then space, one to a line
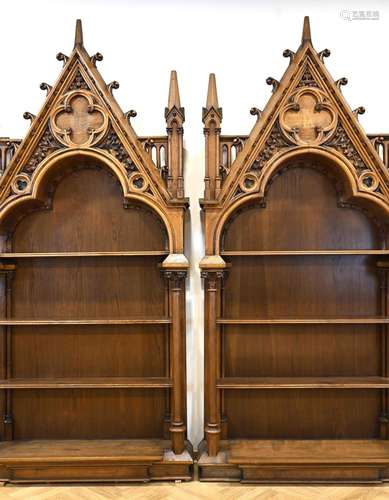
[296, 288]
[93, 274]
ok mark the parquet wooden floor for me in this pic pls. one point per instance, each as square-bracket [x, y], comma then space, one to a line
[194, 490]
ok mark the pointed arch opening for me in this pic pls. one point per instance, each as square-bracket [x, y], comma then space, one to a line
[325, 186]
[100, 185]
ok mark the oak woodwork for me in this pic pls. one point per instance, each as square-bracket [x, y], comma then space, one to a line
[295, 287]
[92, 284]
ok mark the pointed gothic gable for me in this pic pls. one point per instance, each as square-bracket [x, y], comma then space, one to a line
[306, 112]
[81, 114]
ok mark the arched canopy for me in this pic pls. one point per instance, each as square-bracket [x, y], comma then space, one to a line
[330, 161]
[58, 165]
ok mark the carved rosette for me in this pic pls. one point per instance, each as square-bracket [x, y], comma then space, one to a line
[79, 121]
[138, 182]
[308, 118]
[21, 184]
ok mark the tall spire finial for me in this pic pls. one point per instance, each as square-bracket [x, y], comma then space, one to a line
[78, 38]
[174, 93]
[212, 100]
[306, 31]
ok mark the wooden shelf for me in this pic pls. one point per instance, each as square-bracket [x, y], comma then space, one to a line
[308, 451]
[303, 321]
[253, 253]
[40, 255]
[303, 383]
[113, 321]
[92, 460]
[297, 461]
[86, 383]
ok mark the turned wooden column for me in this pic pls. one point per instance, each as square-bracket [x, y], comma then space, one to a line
[8, 271]
[383, 269]
[212, 285]
[176, 280]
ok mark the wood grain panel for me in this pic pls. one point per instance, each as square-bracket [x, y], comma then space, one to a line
[88, 413]
[302, 414]
[89, 351]
[301, 350]
[301, 213]
[304, 286]
[79, 288]
[88, 214]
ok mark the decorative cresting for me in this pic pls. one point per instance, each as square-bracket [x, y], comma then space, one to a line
[79, 121]
[308, 118]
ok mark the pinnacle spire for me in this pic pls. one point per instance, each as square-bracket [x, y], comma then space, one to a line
[174, 93]
[78, 38]
[306, 31]
[212, 100]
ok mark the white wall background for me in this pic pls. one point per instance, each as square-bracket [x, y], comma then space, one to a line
[142, 40]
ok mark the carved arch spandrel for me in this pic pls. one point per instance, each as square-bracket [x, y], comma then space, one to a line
[353, 193]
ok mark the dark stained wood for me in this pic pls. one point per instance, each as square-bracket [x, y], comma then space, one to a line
[303, 413]
[92, 282]
[89, 460]
[111, 321]
[303, 383]
[32, 255]
[85, 383]
[296, 238]
[315, 222]
[304, 321]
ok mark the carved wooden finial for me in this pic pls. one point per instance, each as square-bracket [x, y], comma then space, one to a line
[212, 100]
[45, 86]
[29, 116]
[61, 57]
[78, 38]
[306, 31]
[359, 111]
[130, 114]
[342, 81]
[174, 93]
[113, 86]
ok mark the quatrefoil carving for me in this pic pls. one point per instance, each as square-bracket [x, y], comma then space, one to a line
[308, 118]
[79, 121]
